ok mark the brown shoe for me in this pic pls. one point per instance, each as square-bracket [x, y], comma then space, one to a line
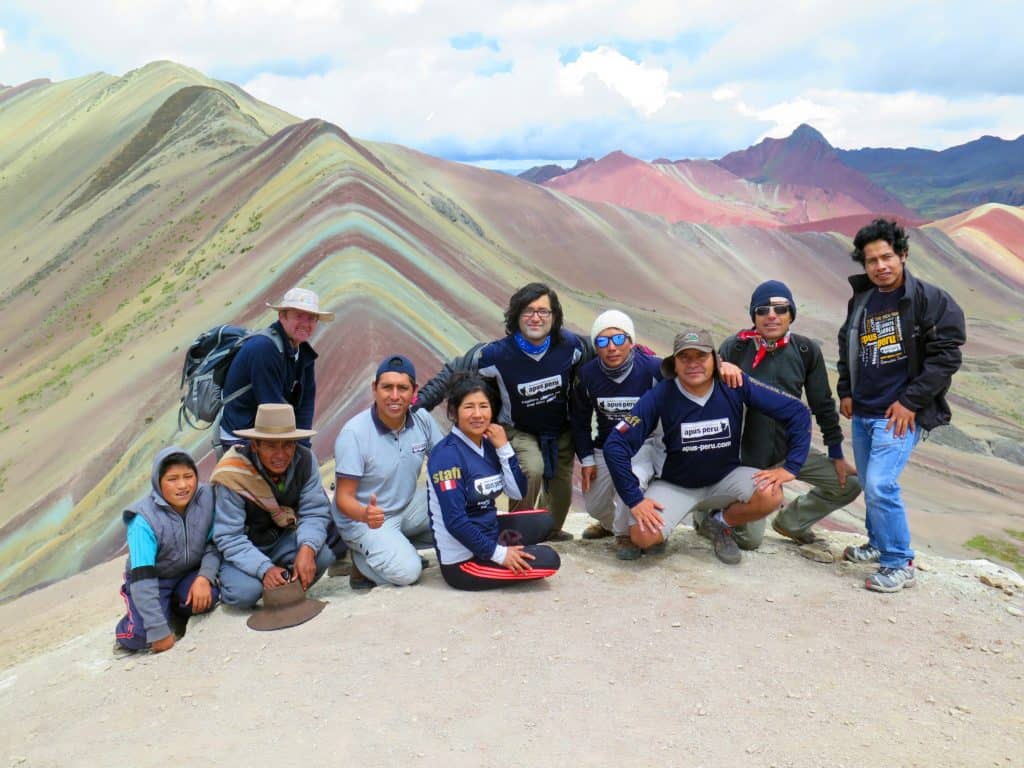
[359, 582]
[595, 531]
[800, 537]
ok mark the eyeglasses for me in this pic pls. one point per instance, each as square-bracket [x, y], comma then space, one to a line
[618, 339]
[543, 314]
[778, 309]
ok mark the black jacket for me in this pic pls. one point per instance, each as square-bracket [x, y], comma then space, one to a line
[934, 326]
[796, 369]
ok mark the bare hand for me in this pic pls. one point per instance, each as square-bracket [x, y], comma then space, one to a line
[496, 434]
[305, 566]
[901, 419]
[846, 407]
[163, 644]
[731, 374]
[843, 470]
[518, 560]
[587, 475]
[374, 514]
[274, 577]
[768, 479]
[647, 517]
[200, 597]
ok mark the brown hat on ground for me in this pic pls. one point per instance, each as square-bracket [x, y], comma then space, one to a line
[285, 606]
[691, 338]
[275, 421]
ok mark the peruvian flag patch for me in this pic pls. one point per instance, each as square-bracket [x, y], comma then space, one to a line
[447, 485]
[621, 426]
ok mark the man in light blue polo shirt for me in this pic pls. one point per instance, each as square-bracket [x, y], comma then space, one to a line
[380, 510]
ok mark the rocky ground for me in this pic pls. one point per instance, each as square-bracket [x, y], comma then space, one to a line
[673, 660]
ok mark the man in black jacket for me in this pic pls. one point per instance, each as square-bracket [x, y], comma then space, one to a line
[898, 351]
[771, 353]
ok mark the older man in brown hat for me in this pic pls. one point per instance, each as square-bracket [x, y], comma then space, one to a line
[271, 514]
[275, 365]
[702, 420]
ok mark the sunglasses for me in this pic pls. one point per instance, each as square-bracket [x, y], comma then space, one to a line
[618, 339]
[778, 309]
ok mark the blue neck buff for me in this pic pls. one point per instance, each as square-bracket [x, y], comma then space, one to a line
[532, 349]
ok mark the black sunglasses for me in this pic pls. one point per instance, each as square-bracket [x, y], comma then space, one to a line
[778, 309]
[618, 339]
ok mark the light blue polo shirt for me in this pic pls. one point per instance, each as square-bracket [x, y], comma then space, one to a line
[384, 462]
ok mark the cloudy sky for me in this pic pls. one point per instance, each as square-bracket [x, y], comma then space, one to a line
[511, 82]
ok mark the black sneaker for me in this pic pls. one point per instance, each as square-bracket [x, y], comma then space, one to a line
[359, 582]
[559, 535]
[725, 545]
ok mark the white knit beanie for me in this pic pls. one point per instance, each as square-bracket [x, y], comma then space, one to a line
[612, 318]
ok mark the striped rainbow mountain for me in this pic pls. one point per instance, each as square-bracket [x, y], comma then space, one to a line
[137, 211]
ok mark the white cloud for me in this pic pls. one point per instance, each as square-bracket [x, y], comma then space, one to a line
[644, 87]
[652, 77]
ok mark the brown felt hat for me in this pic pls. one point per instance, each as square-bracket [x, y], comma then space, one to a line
[275, 421]
[691, 338]
[285, 606]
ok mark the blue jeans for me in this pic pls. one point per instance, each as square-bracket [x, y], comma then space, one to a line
[880, 458]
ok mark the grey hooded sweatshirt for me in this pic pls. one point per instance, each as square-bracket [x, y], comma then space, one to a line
[183, 544]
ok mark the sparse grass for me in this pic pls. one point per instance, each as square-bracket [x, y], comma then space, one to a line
[1003, 550]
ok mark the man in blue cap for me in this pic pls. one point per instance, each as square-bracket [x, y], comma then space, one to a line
[771, 353]
[379, 510]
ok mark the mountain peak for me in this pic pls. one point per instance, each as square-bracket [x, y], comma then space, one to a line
[807, 134]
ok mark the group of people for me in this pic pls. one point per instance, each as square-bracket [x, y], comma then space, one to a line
[710, 432]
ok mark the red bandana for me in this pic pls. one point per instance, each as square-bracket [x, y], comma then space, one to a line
[762, 345]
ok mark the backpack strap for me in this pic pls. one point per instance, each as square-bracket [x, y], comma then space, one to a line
[270, 333]
[805, 346]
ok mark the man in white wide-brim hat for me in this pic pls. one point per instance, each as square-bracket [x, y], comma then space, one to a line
[275, 365]
[271, 513]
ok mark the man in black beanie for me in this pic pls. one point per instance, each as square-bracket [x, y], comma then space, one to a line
[771, 353]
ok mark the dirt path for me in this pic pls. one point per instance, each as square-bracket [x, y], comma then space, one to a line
[675, 660]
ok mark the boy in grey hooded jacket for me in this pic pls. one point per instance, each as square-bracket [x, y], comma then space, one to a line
[170, 554]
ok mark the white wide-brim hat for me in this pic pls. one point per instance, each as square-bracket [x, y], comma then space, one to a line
[303, 300]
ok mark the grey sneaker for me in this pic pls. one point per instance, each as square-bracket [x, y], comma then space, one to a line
[725, 545]
[892, 579]
[700, 526]
[625, 549]
[864, 553]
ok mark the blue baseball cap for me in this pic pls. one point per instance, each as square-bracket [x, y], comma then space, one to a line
[396, 364]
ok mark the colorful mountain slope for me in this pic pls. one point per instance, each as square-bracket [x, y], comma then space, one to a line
[139, 211]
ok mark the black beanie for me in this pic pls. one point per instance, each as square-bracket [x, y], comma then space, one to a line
[772, 289]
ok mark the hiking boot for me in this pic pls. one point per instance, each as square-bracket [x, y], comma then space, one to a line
[559, 535]
[625, 549]
[595, 531]
[359, 582]
[656, 549]
[725, 545]
[892, 579]
[865, 553]
[800, 537]
[702, 528]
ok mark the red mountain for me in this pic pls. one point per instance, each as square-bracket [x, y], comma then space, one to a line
[805, 158]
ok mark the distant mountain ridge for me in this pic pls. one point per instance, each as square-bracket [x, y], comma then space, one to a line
[826, 183]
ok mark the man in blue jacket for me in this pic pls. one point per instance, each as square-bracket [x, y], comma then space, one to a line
[898, 351]
[274, 366]
[702, 421]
